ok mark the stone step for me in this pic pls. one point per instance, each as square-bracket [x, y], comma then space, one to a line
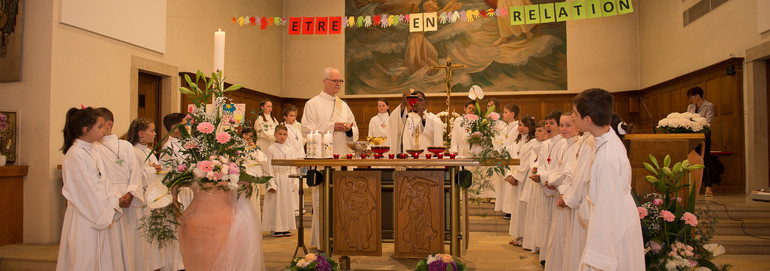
[488, 224]
[28, 257]
[742, 244]
[759, 227]
[749, 210]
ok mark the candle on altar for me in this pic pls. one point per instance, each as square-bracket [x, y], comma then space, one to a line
[219, 51]
[317, 146]
[327, 145]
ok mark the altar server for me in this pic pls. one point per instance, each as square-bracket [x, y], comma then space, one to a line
[506, 135]
[560, 179]
[614, 233]
[573, 197]
[379, 125]
[265, 125]
[173, 155]
[279, 214]
[327, 112]
[422, 129]
[296, 143]
[546, 166]
[141, 133]
[255, 164]
[533, 191]
[515, 202]
[124, 179]
[460, 132]
[88, 239]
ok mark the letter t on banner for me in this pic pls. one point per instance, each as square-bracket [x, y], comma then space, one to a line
[415, 22]
[308, 25]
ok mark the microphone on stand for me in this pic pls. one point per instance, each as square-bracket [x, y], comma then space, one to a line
[652, 120]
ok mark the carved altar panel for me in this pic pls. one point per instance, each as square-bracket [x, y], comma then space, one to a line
[419, 207]
[357, 213]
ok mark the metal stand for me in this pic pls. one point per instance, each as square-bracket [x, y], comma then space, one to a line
[301, 226]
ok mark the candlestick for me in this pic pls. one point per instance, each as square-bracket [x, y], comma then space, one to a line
[219, 51]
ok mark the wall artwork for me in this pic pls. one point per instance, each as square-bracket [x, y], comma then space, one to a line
[10, 40]
[8, 136]
[498, 56]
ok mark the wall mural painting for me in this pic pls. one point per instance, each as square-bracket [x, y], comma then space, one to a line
[498, 56]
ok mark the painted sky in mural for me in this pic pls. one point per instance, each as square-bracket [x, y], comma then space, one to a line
[498, 56]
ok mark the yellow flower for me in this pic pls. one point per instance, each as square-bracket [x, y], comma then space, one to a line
[447, 258]
[310, 257]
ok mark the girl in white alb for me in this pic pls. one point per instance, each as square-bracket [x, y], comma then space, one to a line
[265, 125]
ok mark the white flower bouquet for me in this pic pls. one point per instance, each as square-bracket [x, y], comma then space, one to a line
[683, 123]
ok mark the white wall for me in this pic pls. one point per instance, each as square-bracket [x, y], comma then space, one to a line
[668, 50]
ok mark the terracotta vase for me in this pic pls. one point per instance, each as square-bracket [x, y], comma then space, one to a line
[205, 226]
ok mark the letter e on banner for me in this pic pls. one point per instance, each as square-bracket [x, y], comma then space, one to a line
[430, 22]
[295, 23]
[335, 25]
[415, 22]
[308, 25]
[321, 25]
[532, 14]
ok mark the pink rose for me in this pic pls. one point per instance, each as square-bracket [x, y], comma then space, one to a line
[189, 117]
[679, 199]
[217, 176]
[657, 202]
[667, 216]
[223, 137]
[206, 166]
[655, 246]
[690, 219]
[471, 117]
[205, 127]
[642, 212]
[181, 167]
[232, 121]
[494, 116]
[692, 262]
[234, 169]
[476, 134]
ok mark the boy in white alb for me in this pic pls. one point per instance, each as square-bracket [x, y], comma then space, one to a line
[548, 164]
[296, 143]
[124, 178]
[278, 214]
[169, 161]
[531, 190]
[614, 233]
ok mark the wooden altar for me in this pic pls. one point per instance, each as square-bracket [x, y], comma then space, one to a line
[416, 199]
[678, 146]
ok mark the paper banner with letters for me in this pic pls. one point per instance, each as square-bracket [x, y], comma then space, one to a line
[420, 22]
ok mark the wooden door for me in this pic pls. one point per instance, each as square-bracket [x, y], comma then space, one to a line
[149, 101]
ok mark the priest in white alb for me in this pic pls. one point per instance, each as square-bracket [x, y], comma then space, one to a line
[327, 112]
[422, 129]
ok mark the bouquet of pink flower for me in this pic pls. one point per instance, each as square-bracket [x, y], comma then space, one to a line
[440, 262]
[313, 261]
[674, 237]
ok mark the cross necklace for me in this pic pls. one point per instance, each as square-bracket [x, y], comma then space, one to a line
[119, 161]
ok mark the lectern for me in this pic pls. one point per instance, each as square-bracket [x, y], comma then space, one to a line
[678, 146]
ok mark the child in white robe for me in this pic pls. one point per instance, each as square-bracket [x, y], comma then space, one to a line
[517, 179]
[125, 179]
[574, 195]
[532, 192]
[379, 125]
[279, 215]
[508, 132]
[88, 239]
[558, 181]
[548, 164]
[265, 125]
[256, 165]
[296, 143]
[141, 133]
[614, 233]
[169, 161]
[460, 133]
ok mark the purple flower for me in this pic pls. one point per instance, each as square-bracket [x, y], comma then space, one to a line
[437, 266]
[323, 264]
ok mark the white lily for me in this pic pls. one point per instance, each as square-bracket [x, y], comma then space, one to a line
[157, 195]
[715, 249]
[476, 92]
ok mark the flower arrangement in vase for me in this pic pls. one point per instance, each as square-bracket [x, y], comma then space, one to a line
[674, 237]
[312, 262]
[440, 262]
[212, 158]
[683, 123]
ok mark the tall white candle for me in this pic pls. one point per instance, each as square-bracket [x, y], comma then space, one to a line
[327, 145]
[219, 51]
[317, 139]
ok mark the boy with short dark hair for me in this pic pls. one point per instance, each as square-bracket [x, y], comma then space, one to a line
[279, 208]
[614, 234]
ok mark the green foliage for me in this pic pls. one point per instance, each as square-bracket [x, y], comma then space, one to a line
[160, 225]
